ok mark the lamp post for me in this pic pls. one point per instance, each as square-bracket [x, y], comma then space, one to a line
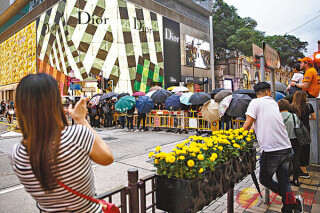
[192, 46]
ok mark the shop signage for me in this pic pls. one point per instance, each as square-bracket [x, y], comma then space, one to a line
[85, 18]
[140, 26]
[172, 53]
[271, 57]
[170, 35]
[89, 89]
[256, 51]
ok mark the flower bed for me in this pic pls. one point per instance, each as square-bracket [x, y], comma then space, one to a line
[200, 169]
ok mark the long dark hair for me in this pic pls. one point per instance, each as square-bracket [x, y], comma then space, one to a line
[299, 103]
[41, 119]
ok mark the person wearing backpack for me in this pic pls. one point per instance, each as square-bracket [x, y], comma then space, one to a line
[291, 121]
[305, 113]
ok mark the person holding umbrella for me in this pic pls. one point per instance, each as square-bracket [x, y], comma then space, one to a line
[263, 112]
[144, 105]
[130, 114]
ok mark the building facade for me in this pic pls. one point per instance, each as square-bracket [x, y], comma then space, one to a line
[135, 44]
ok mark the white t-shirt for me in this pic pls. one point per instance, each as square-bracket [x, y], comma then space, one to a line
[269, 127]
[297, 77]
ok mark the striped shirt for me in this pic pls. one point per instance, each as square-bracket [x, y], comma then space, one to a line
[75, 171]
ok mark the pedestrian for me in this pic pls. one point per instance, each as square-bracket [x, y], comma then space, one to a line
[130, 114]
[122, 120]
[51, 153]
[310, 79]
[141, 117]
[297, 78]
[305, 113]
[263, 112]
[108, 113]
[10, 113]
[292, 121]
[3, 108]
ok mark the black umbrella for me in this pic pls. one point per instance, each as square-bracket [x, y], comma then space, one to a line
[239, 105]
[221, 95]
[199, 98]
[122, 95]
[160, 96]
[255, 181]
[249, 92]
[280, 87]
[107, 96]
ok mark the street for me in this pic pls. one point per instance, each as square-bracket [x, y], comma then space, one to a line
[130, 150]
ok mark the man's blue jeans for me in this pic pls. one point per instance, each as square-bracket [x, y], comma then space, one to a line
[277, 162]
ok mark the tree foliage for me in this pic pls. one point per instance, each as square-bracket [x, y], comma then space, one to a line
[234, 35]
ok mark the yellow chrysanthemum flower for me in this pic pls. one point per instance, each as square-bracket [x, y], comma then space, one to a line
[235, 145]
[156, 161]
[151, 154]
[190, 163]
[182, 158]
[220, 148]
[200, 157]
[158, 148]
[201, 170]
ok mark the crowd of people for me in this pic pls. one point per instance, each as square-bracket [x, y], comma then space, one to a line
[51, 150]
[7, 111]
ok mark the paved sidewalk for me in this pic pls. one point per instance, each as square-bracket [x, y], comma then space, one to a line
[247, 199]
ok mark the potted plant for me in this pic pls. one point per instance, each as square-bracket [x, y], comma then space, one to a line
[200, 169]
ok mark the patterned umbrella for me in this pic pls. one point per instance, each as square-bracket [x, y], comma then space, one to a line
[125, 103]
[180, 89]
[185, 97]
[155, 88]
[107, 96]
[95, 99]
[224, 104]
[137, 94]
[144, 104]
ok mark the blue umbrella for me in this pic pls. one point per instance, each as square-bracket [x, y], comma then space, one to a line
[160, 96]
[279, 96]
[185, 97]
[173, 103]
[144, 104]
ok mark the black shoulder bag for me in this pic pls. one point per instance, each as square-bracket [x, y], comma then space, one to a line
[302, 133]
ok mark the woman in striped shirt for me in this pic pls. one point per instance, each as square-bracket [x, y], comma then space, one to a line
[52, 151]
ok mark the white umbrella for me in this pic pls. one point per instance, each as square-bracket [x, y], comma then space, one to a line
[151, 93]
[180, 89]
[224, 105]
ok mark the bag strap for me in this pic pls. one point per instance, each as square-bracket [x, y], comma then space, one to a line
[294, 120]
[78, 193]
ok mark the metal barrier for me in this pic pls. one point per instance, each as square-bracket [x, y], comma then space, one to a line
[176, 120]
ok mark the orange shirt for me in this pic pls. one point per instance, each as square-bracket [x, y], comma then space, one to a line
[311, 76]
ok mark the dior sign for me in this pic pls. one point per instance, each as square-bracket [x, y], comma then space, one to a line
[140, 26]
[171, 36]
[86, 18]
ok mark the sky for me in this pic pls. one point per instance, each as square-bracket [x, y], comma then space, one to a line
[277, 17]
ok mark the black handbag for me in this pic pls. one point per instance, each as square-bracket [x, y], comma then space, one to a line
[302, 133]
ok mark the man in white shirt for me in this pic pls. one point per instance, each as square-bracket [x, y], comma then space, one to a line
[263, 112]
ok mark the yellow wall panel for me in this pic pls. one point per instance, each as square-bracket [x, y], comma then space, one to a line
[18, 55]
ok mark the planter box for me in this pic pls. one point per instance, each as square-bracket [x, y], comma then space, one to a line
[188, 196]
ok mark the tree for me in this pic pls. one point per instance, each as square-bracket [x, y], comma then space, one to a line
[289, 47]
[241, 41]
[233, 36]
